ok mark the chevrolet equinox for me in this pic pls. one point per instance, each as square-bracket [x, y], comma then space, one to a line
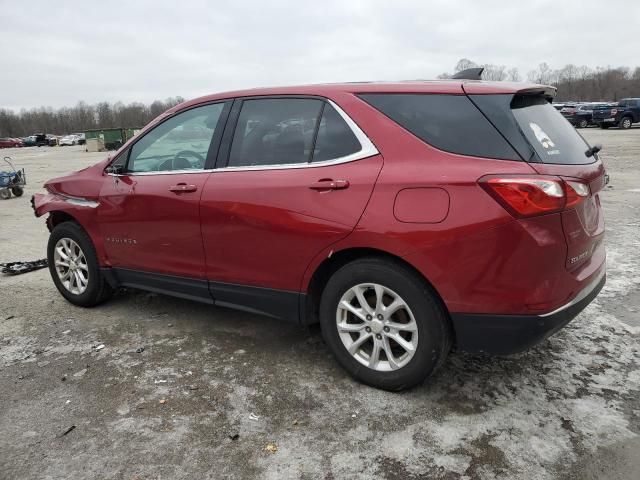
[406, 218]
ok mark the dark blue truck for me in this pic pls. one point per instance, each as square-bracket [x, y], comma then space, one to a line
[623, 115]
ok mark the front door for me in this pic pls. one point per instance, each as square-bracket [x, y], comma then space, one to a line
[149, 215]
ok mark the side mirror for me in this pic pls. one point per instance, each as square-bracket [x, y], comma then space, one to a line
[115, 169]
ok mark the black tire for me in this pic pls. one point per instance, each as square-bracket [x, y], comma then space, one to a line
[5, 194]
[433, 327]
[583, 123]
[97, 290]
[625, 123]
[17, 191]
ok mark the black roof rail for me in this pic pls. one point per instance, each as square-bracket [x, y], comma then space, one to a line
[469, 74]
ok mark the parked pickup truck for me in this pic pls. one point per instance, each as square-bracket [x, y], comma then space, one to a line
[622, 115]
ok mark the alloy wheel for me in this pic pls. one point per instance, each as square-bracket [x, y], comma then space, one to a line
[377, 327]
[71, 266]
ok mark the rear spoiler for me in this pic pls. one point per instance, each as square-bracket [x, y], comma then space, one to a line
[545, 90]
[511, 88]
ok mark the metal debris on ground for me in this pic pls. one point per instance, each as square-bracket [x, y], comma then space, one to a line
[253, 416]
[139, 349]
[16, 268]
[68, 430]
[234, 436]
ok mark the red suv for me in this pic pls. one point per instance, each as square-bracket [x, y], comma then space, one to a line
[404, 217]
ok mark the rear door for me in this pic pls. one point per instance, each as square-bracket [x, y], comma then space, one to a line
[295, 177]
[149, 215]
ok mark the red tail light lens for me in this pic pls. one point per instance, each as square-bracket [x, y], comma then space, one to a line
[536, 195]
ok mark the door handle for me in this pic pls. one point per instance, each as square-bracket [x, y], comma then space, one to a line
[328, 184]
[182, 188]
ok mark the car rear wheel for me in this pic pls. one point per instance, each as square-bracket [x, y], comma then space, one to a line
[583, 123]
[625, 123]
[73, 265]
[384, 324]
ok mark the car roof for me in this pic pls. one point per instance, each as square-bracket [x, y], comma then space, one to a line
[455, 87]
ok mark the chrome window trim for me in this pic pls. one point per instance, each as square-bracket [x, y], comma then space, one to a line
[163, 172]
[368, 150]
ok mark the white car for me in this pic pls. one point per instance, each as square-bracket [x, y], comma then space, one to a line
[68, 140]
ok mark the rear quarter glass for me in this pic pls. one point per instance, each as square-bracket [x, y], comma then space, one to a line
[448, 122]
[532, 119]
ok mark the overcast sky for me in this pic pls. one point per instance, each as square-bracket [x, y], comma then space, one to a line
[58, 53]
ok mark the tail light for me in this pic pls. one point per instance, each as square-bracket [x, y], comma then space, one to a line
[528, 196]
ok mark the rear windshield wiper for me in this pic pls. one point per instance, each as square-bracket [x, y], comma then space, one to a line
[593, 150]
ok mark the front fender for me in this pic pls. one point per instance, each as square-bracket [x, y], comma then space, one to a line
[81, 210]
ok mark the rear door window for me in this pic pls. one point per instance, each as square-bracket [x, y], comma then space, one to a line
[448, 122]
[275, 131]
[335, 139]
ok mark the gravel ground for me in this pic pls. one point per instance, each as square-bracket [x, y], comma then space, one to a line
[183, 390]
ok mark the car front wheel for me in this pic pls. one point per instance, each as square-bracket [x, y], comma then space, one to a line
[384, 323]
[73, 265]
[625, 123]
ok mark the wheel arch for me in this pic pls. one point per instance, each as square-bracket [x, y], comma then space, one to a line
[331, 264]
[58, 216]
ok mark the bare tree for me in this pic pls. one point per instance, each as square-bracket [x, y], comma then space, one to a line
[513, 75]
[494, 72]
[463, 64]
[80, 118]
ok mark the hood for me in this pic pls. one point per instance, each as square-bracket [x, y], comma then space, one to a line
[84, 183]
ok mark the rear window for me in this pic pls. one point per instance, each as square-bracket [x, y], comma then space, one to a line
[448, 122]
[550, 138]
[553, 138]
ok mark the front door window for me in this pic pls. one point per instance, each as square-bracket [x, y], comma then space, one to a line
[180, 143]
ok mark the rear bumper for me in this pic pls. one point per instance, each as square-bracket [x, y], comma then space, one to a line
[506, 334]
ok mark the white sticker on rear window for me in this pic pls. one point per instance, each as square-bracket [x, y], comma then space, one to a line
[543, 138]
